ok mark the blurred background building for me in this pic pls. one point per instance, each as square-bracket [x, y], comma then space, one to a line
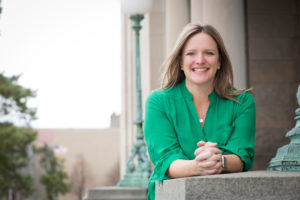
[91, 156]
[263, 40]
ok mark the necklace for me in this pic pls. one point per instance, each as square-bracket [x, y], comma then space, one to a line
[201, 120]
[201, 111]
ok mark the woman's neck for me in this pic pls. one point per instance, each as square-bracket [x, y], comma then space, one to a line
[200, 99]
[200, 92]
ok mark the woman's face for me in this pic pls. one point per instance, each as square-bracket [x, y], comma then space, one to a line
[200, 60]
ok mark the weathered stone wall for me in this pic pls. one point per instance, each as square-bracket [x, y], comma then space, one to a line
[274, 71]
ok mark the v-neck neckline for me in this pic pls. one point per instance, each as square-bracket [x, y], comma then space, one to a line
[188, 95]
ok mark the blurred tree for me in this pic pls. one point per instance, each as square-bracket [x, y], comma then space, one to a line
[54, 178]
[15, 176]
[16, 142]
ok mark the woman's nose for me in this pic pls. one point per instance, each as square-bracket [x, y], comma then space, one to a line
[200, 58]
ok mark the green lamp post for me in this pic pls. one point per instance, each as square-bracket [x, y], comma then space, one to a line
[137, 172]
[288, 157]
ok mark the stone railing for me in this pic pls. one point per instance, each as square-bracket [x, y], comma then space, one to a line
[254, 185]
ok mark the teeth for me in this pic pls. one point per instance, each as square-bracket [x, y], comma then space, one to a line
[200, 70]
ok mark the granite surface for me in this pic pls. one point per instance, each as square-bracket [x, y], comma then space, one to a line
[255, 185]
[116, 193]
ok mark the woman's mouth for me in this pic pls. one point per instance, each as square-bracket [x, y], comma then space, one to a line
[199, 69]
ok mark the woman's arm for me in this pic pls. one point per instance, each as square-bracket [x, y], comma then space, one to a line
[183, 168]
[207, 161]
[233, 163]
[239, 149]
[160, 136]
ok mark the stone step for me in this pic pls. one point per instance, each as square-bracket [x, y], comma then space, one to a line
[116, 193]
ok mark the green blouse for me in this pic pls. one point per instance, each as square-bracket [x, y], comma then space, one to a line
[172, 128]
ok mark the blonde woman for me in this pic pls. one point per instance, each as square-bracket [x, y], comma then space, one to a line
[198, 123]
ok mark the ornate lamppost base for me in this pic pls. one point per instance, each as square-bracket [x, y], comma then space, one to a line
[288, 156]
[135, 179]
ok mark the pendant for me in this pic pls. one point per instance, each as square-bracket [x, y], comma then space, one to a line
[201, 120]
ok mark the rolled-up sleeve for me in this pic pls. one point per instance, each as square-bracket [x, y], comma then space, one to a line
[241, 141]
[160, 136]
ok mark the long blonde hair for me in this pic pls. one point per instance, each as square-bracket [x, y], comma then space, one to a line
[223, 83]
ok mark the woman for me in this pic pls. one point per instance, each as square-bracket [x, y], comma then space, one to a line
[199, 123]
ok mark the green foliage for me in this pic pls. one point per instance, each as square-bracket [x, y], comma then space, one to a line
[55, 177]
[15, 141]
[13, 155]
[16, 138]
[13, 100]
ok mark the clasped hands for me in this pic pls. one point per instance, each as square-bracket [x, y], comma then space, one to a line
[208, 158]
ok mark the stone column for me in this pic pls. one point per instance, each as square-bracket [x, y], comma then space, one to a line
[128, 93]
[229, 18]
[177, 16]
[152, 46]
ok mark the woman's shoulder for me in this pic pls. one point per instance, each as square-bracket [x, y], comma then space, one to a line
[164, 93]
[245, 97]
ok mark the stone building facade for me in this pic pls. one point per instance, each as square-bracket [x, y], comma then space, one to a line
[263, 40]
[94, 153]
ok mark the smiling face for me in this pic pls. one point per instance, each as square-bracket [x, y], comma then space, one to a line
[200, 60]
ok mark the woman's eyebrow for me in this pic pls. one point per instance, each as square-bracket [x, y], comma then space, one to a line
[203, 50]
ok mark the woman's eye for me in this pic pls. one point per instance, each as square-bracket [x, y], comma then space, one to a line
[209, 53]
[189, 53]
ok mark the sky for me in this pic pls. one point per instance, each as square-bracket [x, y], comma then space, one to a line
[69, 51]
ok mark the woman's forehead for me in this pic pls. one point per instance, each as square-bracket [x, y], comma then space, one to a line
[200, 40]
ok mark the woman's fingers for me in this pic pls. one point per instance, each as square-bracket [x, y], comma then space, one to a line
[201, 143]
[207, 144]
[211, 144]
[209, 156]
[213, 150]
[198, 151]
[212, 166]
[204, 156]
[216, 151]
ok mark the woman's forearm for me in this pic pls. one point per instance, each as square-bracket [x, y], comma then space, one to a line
[183, 168]
[233, 163]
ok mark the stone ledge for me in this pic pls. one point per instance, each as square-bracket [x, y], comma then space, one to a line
[254, 185]
[116, 193]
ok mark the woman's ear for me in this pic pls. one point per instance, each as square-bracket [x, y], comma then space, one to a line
[219, 64]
